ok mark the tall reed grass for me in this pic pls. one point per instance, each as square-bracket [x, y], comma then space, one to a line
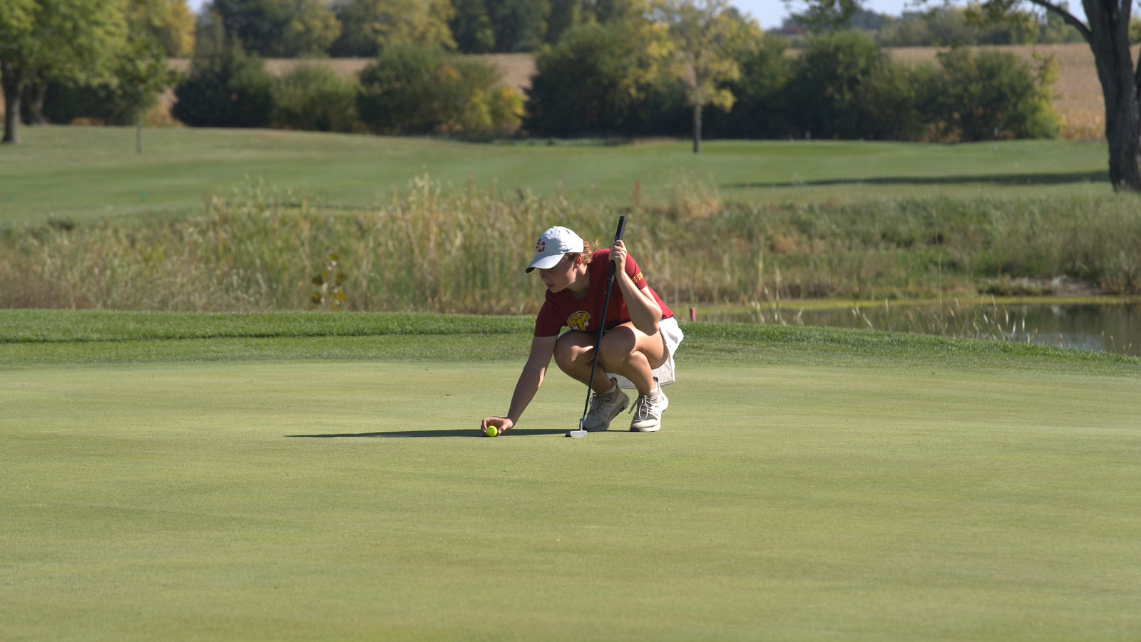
[427, 248]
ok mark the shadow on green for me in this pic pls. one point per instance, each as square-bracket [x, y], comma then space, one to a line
[518, 432]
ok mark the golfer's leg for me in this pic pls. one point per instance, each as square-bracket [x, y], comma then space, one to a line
[629, 352]
[574, 354]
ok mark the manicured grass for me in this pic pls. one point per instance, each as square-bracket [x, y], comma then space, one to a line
[807, 484]
[88, 172]
[40, 337]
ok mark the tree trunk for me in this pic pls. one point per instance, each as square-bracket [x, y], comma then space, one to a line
[12, 80]
[1109, 41]
[697, 129]
[34, 95]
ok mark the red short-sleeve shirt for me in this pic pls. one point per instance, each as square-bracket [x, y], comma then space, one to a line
[562, 309]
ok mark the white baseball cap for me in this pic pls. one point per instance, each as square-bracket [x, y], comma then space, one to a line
[552, 245]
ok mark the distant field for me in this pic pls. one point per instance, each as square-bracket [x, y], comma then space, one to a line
[299, 477]
[88, 172]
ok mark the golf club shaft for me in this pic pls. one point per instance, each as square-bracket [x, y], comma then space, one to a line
[602, 323]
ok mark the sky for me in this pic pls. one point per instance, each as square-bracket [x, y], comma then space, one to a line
[770, 12]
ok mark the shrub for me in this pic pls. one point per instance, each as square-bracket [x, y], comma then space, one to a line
[843, 86]
[412, 89]
[67, 100]
[396, 90]
[315, 97]
[974, 96]
[227, 89]
[593, 80]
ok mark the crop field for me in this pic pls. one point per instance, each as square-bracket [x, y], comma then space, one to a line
[285, 477]
[180, 168]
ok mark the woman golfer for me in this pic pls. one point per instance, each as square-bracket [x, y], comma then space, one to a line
[637, 348]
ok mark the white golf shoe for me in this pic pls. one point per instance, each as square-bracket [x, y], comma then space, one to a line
[605, 407]
[648, 411]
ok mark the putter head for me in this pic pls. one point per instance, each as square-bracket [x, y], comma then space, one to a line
[581, 432]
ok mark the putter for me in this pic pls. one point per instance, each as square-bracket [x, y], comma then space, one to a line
[581, 432]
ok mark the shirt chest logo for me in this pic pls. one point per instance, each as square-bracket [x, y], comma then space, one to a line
[579, 320]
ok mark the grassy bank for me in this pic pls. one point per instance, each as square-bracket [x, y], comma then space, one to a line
[432, 249]
[806, 484]
[45, 337]
[86, 172]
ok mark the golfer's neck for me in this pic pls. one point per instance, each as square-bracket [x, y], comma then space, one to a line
[580, 286]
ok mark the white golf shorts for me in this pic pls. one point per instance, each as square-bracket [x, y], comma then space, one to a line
[673, 336]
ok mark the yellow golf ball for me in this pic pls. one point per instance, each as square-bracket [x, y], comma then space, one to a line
[491, 431]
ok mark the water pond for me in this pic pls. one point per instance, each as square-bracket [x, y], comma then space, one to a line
[1101, 326]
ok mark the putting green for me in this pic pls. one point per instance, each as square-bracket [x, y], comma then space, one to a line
[352, 500]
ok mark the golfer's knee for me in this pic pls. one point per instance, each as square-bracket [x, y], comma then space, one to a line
[567, 353]
[616, 348]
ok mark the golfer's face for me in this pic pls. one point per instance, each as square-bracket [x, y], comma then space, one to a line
[557, 278]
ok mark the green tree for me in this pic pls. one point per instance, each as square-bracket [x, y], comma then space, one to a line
[314, 97]
[17, 24]
[562, 16]
[1106, 29]
[279, 28]
[595, 78]
[169, 21]
[829, 90]
[411, 89]
[977, 96]
[706, 37]
[762, 106]
[228, 88]
[520, 25]
[312, 28]
[471, 27]
[54, 38]
[370, 26]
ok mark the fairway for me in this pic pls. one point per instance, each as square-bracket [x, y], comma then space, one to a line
[838, 496]
[92, 172]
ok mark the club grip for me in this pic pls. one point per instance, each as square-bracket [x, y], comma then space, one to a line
[617, 237]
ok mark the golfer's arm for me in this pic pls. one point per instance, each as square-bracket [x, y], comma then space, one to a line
[644, 310]
[542, 349]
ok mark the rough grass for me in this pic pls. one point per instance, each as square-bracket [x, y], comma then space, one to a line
[438, 250]
[807, 484]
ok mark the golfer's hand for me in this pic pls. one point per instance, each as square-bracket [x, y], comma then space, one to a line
[502, 424]
[618, 255]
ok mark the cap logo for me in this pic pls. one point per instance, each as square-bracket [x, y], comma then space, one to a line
[540, 245]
